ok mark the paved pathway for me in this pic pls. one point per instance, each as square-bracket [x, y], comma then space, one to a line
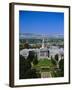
[45, 74]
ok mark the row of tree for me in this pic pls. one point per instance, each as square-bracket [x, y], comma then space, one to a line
[59, 70]
[25, 69]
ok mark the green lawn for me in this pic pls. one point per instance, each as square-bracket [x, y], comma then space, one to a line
[45, 63]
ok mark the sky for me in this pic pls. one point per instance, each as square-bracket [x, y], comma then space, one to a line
[41, 22]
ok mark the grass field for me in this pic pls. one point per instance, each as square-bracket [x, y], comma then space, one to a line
[44, 66]
[44, 63]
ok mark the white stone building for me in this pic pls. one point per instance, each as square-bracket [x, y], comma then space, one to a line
[44, 52]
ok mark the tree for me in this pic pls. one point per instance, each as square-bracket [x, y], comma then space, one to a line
[31, 56]
[26, 45]
[25, 69]
[61, 66]
[56, 57]
[60, 72]
[48, 53]
[62, 56]
[35, 60]
[53, 61]
[31, 73]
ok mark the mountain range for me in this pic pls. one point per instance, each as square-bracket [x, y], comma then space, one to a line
[39, 36]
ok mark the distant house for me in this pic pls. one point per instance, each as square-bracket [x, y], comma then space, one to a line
[44, 52]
